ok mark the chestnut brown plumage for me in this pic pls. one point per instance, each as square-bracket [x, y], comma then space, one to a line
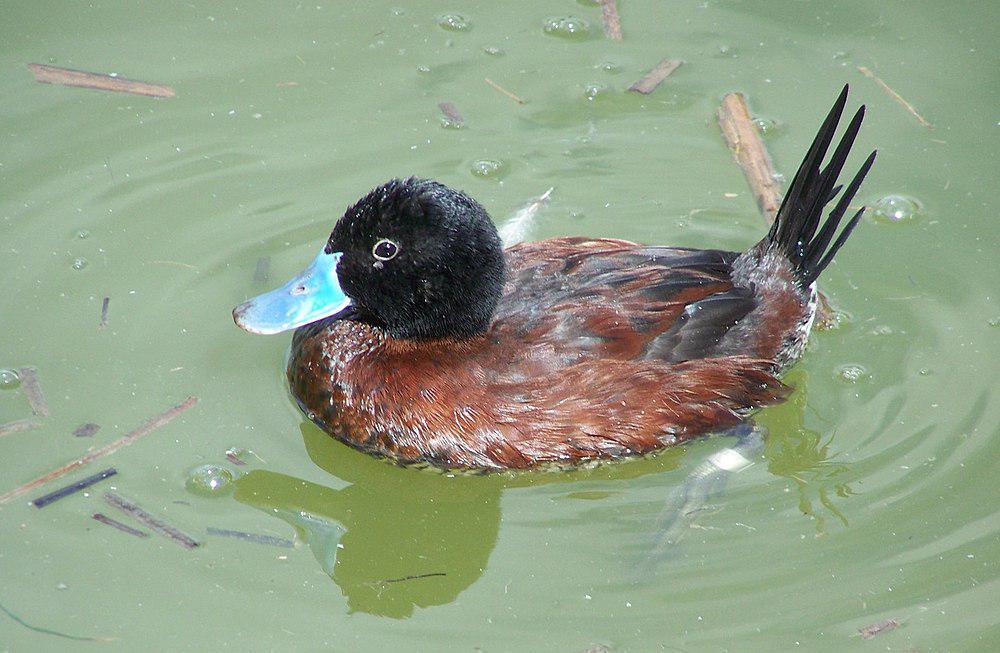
[459, 354]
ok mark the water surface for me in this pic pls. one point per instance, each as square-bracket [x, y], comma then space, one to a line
[874, 499]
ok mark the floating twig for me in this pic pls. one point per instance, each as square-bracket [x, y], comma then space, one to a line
[73, 488]
[150, 520]
[262, 273]
[86, 430]
[48, 631]
[517, 227]
[503, 90]
[881, 627]
[450, 112]
[234, 459]
[33, 390]
[386, 581]
[99, 81]
[252, 537]
[612, 24]
[114, 523]
[748, 149]
[104, 312]
[148, 426]
[896, 96]
[648, 83]
[19, 425]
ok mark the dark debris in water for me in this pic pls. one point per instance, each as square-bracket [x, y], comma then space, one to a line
[49, 631]
[114, 523]
[257, 538]
[86, 430]
[874, 629]
[155, 523]
[73, 488]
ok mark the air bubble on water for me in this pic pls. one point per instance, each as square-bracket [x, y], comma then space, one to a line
[608, 67]
[448, 123]
[79, 263]
[423, 69]
[9, 379]
[567, 27]
[995, 322]
[493, 51]
[766, 126]
[895, 208]
[728, 51]
[591, 91]
[210, 481]
[488, 168]
[82, 234]
[454, 22]
[852, 373]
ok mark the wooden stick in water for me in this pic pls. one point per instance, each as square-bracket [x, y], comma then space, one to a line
[612, 23]
[68, 77]
[150, 520]
[748, 149]
[114, 523]
[741, 134]
[33, 390]
[148, 426]
[896, 96]
[654, 77]
[450, 112]
[73, 488]
[19, 425]
[503, 90]
[252, 537]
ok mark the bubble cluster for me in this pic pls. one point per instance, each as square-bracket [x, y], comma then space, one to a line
[895, 208]
[591, 91]
[79, 263]
[488, 168]
[210, 481]
[766, 126]
[567, 27]
[9, 379]
[454, 22]
[852, 373]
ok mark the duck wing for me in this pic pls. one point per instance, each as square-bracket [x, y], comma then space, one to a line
[604, 298]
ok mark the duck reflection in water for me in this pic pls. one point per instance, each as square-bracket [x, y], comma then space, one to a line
[434, 538]
[422, 548]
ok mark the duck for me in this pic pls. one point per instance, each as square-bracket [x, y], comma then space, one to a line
[420, 339]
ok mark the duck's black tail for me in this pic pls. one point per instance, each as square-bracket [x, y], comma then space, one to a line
[793, 232]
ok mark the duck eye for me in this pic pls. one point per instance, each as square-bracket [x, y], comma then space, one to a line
[385, 250]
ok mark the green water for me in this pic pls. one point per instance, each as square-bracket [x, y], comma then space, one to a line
[875, 497]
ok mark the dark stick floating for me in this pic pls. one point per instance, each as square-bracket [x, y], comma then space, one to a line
[150, 520]
[82, 484]
[252, 537]
[114, 523]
